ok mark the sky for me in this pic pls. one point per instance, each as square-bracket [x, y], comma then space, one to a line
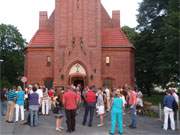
[24, 14]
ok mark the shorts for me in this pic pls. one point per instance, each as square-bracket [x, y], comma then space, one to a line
[60, 114]
[100, 110]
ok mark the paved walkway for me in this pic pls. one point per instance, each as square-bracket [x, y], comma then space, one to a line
[146, 126]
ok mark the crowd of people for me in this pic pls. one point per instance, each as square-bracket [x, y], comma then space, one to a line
[66, 102]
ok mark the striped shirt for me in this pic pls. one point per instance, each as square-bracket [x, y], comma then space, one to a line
[45, 96]
[11, 95]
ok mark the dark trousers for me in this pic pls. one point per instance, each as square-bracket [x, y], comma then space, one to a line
[70, 120]
[89, 109]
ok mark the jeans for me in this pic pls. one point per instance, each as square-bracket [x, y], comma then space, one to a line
[3, 107]
[33, 117]
[89, 108]
[21, 108]
[71, 121]
[133, 116]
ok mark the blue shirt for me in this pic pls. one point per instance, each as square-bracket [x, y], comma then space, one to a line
[117, 105]
[34, 99]
[20, 97]
[168, 101]
[11, 95]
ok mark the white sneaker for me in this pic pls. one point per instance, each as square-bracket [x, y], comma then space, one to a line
[164, 129]
[57, 129]
[100, 125]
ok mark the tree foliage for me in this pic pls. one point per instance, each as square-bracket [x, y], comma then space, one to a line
[157, 45]
[11, 51]
[130, 33]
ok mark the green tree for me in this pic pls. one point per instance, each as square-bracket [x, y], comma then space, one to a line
[11, 51]
[157, 43]
[130, 33]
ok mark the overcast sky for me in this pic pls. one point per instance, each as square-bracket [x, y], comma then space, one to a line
[24, 14]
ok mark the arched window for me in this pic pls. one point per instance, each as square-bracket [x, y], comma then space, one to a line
[77, 68]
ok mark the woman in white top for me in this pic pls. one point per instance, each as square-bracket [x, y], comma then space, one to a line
[100, 107]
[45, 102]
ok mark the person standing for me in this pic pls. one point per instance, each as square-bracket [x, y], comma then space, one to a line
[70, 105]
[58, 110]
[11, 97]
[45, 102]
[107, 91]
[34, 107]
[90, 99]
[117, 114]
[39, 91]
[3, 101]
[175, 95]
[132, 103]
[51, 96]
[168, 110]
[20, 96]
[78, 94]
[100, 107]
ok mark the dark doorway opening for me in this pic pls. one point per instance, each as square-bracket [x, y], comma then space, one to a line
[77, 81]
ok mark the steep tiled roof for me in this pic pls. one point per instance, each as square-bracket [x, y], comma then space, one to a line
[42, 37]
[114, 37]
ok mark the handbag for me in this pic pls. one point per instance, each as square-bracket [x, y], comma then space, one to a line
[55, 110]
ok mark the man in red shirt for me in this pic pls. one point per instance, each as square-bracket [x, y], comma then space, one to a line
[132, 102]
[90, 99]
[70, 105]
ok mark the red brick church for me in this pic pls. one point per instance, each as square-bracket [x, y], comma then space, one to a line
[79, 43]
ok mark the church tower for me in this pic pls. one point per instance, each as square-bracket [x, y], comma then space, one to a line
[77, 40]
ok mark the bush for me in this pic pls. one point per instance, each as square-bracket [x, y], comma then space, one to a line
[155, 99]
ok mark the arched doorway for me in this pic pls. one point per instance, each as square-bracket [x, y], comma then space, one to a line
[77, 75]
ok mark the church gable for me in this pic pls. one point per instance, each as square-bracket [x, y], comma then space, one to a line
[114, 37]
[111, 33]
[42, 38]
[45, 34]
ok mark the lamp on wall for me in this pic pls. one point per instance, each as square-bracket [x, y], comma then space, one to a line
[107, 60]
[48, 60]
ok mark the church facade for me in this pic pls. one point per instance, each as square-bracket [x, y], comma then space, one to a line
[79, 44]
